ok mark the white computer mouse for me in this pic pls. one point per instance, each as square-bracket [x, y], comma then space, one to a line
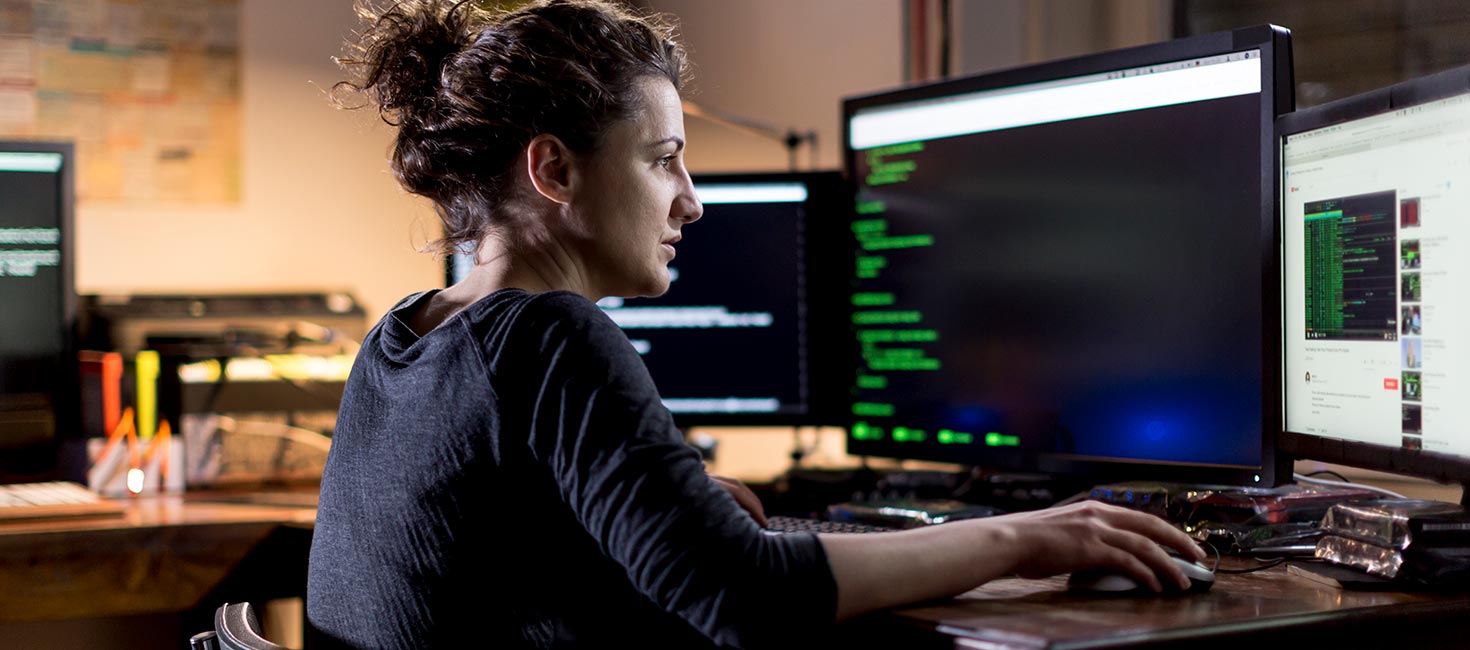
[1112, 582]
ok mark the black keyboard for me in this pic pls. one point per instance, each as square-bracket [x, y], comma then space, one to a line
[784, 525]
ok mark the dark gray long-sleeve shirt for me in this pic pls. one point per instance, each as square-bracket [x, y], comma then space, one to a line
[511, 479]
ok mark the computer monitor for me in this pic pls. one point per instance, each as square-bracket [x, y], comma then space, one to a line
[738, 338]
[1375, 200]
[1070, 268]
[37, 307]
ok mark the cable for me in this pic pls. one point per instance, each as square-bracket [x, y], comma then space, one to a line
[1303, 478]
[1216, 551]
[1268, 565]
[1320, 472]
[1216, 568]
[945, 27]
[799, 451]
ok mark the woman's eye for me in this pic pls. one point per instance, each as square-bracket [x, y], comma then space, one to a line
[665, 161]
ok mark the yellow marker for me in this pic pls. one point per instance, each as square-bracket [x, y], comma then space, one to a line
[146, 371]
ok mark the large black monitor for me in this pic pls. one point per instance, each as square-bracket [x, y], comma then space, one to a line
[1376, 224]
[37, 307]
[1070, 268]
[739, 337]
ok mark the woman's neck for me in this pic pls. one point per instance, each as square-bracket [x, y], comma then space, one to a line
[535, 269]
[546, 265]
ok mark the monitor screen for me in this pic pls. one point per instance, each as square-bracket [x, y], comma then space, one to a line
[731, 341]
[1377, 288]
[1068, 269]
[36, 303]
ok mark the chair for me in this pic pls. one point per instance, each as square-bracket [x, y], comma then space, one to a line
[235, 628]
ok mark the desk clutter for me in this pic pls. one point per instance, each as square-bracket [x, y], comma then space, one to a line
[212, 390]
[1410, 541]
[1284, 520]
[1372, 541]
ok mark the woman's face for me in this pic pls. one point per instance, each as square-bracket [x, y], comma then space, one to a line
[633, 197]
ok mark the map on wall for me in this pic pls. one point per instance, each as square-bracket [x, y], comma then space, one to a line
[149, 90]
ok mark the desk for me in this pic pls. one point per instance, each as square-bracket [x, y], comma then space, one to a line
[1275, 608]
[166, 555]
[176, 555]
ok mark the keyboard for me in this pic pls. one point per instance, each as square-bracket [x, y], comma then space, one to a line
[53, 499]
[787, 525]
[908, 513]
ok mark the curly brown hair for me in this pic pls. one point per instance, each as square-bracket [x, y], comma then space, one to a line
[469, 87]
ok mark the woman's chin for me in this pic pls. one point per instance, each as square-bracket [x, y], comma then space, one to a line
[650, 286]
[657, 288]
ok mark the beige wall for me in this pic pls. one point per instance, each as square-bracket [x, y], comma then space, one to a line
[319, 208]
[787, 63]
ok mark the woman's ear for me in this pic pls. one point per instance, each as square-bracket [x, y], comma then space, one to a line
[548, 162]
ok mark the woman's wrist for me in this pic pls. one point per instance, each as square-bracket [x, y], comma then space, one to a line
[1002, 543]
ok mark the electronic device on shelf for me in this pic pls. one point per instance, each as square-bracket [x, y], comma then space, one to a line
[220, 323]
[1069, 268]
[1375, 190]
[38, 370]
[754, 307]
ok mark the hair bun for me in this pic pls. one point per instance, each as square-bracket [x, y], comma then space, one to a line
[401, 54]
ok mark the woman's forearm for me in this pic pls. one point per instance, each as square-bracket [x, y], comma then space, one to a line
[878, 571]
[884, 570]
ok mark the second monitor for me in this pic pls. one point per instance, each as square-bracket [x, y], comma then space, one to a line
[735, 340]
[1069, 268]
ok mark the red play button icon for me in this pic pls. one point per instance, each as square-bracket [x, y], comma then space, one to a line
[1390, 383]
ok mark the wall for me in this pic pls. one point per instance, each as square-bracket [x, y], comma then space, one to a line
[998, 34]
[319, 208]
[787, 64]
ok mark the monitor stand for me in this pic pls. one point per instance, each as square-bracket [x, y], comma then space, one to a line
[703, 443]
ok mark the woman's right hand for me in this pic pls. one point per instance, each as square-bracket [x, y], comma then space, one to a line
[1093, 535]
[884, 570]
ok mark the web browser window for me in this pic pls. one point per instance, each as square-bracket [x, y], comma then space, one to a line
[1376, 228]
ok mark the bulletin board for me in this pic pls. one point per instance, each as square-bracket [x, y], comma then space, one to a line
[149, 90]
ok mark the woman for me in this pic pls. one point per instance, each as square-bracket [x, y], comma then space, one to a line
[503, 470]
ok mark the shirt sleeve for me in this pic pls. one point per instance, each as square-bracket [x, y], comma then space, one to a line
[599, 428]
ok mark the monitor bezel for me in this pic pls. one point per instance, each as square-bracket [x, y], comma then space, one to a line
[1277, 98]
[1446, 468]
[65, 399]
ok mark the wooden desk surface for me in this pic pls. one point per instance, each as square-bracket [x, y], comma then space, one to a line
[165, 553]
[1277, 603]
[161, 511]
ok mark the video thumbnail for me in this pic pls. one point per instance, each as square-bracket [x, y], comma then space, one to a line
[1409, 254]
[1409, 213]
[1410, 320]
[1413, 353]
[1412, 386]
[1413, 418]
[1409, 288]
